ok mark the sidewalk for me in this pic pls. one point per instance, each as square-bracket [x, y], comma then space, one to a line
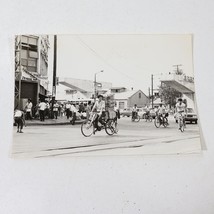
[58, 121]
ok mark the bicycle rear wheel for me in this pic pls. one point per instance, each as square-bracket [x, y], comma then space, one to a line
[87, 128]
[109, 127]
[164, 122]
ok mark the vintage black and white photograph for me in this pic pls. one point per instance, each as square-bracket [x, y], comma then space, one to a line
[87, 95]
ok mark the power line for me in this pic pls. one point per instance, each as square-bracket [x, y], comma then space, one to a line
[104, 60]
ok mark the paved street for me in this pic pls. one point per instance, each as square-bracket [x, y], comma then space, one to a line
[133, 138]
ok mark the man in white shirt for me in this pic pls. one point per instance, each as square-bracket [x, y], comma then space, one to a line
[67, 109]
[180, 108]
[55, 109]
[134, 111]
[100, 108]
[42, 107]
[161, 110]
[73, 112]
[28, 108]
[19, 120]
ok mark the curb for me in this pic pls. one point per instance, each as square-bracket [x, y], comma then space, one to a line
[53, 124]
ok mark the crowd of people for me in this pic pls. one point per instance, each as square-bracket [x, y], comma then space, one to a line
[45, 109]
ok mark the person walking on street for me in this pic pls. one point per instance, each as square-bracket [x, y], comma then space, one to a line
[42, 107]
[67, 109]
[74, 113]
[19, 120]
[28, 108]
[55, 109]
[88, 110]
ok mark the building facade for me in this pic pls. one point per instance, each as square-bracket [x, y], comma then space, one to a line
[72, 89]
[31, 68]
[128, 99]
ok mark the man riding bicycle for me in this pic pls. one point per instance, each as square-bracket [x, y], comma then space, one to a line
[147, 110]
[180, 108]
[134, 111]
[100, 108]
[161, 112]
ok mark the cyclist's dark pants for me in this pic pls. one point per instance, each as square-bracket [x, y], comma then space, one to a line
[99, 119]
[134, 114]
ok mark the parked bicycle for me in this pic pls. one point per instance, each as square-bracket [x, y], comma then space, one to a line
[109, 123]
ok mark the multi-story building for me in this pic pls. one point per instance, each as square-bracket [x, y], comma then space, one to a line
[31, 68]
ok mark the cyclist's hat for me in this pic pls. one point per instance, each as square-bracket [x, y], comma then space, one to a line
[180, 99]
[100, 95]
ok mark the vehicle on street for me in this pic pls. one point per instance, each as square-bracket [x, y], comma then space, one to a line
[141, 113]
[191, 116]
[126, 112]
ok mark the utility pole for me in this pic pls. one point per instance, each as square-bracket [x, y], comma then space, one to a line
[95, 86]
[178, 70]
[152, 90]
[18, 72]
[54, 74]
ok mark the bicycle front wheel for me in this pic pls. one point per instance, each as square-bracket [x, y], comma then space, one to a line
[109, 127]
[87, 128]
[157, 122]
[137, 118]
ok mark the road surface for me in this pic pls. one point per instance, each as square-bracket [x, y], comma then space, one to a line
[133, 138]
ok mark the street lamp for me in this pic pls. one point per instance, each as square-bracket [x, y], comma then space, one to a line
[95, 84]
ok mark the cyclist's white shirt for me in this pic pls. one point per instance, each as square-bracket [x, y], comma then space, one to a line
[134, 109]
[161, 110]
[180, 107]
[100, 105]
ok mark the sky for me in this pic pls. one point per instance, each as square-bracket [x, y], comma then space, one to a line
[126, 60]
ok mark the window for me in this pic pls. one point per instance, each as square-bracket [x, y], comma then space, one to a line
[139, 95]
[29, 53]
[121, 105]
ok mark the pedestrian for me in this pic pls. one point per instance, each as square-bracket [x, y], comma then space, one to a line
[28, 108]
[62, 111]
[116, 109]
[55, 109]
[59, 109]
[74, 114]
[42, 107]
[67, 109]
[88, 109]
[47, 110]
[19, 120]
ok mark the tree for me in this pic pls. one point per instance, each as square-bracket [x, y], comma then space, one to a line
[169, 95]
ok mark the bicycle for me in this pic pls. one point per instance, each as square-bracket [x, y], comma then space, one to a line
[181, 123]
[88, 127]
[135, 117]
[148, 117]
[160, 120]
